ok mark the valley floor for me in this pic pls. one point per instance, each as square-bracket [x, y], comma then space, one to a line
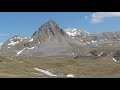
[61, 67]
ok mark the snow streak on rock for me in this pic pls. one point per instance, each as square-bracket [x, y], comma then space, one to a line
[19, 52]
[100, 54]
[13, 43]
[31, 48]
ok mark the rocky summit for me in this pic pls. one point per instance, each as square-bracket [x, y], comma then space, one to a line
[51, 40]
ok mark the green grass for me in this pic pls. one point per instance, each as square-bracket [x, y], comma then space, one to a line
[22, 67]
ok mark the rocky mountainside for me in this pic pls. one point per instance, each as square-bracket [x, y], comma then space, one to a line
[48, 40]
[51, 40]
[96, 44]
[86, 37]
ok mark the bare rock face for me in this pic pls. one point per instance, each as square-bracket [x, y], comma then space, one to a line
[47, 31]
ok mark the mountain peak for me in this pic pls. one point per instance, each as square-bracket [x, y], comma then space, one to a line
[51, 22]
[49, 29]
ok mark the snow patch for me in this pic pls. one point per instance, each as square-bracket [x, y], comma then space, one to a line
[18, 38]
[81, 40]
[19, 52]
[100, 54]
[13, 43]
[31, 48]
[114, 59]
[106, 39]
[88, 42]
[71, 33]
[31, 40]
[70, 75]
[25, 38]
[45, 72]
[94, 41]
[49, 37]
[21, 39]
[115, 35]
[101, 40]
[9, 47]
[83, 36]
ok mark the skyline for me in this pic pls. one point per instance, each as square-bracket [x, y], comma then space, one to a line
[26, 23]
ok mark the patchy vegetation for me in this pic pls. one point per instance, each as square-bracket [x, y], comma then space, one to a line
[23, 67]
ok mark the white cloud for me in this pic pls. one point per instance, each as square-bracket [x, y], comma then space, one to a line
[99, 16]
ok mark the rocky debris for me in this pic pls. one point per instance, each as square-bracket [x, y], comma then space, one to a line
[91, 53]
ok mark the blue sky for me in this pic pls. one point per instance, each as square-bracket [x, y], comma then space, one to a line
[26, 23]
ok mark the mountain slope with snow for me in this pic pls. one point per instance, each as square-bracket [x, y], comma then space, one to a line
[51, 40]
[76, 32]
[86, 37]
[48, 40]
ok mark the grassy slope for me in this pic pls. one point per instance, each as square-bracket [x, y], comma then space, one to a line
[81, 68]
